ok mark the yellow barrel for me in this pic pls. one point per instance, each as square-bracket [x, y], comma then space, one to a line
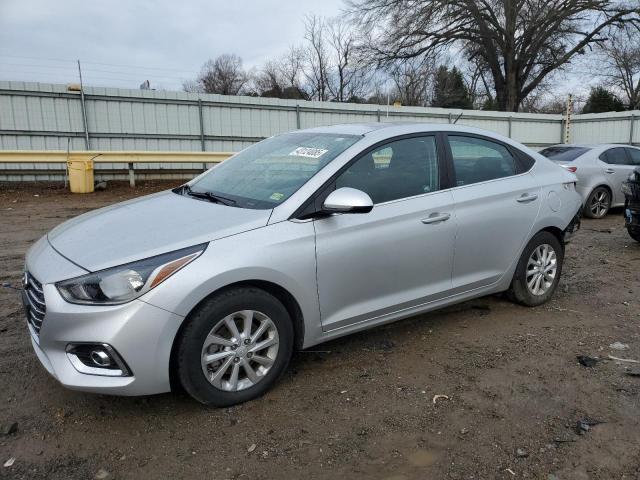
[80, 170]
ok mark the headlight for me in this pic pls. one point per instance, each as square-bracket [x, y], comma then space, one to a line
[626, 189]
[122, 284]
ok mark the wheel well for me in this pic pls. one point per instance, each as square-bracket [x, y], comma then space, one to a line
[283, 295]
[604, 185]
[556, 232]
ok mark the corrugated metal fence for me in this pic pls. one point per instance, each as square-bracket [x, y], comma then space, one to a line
[36, 116]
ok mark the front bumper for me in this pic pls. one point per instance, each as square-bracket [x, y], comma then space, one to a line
[632, 216]
[142, 335]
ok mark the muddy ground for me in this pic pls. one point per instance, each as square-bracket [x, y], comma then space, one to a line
[362, 406]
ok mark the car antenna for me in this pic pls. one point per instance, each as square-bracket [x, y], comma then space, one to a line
[457, 118]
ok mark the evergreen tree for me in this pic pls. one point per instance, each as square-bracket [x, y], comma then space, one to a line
[449, 90]
[602, 100]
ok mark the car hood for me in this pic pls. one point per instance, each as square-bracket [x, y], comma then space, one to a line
[148, 226]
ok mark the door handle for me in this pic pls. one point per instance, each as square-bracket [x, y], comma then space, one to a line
[436, 218]
[527, 197]
[609, 170]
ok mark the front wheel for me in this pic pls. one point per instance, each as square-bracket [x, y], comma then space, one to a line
[538, 271]
[234, 347]
[635, 234]
[598, 203]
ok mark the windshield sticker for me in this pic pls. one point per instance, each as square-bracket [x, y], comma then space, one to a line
[308, 152]
[277, 196]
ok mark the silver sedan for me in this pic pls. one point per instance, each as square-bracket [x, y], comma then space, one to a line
[601, 170]
[299, 239]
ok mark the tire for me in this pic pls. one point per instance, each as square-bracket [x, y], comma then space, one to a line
[234, 351]
[598, 203]
[520, 292]
[635, 235]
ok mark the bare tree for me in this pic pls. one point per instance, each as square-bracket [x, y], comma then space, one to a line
[317, 57]
[280, 78]
[621, 57]
[413, 79]
[521, 41]
[224, 75]
[477, 78]
[377, 90]
[268, 79]
[349, 75]
[291, 66]
[192, 86]
[552, 103]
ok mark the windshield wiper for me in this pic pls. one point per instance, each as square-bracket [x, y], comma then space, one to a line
[212, 197]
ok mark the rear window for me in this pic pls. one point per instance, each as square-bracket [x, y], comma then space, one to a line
[564, 154]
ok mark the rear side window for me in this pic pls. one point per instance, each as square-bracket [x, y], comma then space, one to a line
[399, 169]
[634, 154]
[615, 156]
[478, 160]
[564, 154]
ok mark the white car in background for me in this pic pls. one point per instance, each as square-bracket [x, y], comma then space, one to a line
[601, 170]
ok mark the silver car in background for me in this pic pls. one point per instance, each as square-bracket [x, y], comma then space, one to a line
[601, 170]
[299, 239]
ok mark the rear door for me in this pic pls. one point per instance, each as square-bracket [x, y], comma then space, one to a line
[400, 254]
[496, 205]
[616, 165]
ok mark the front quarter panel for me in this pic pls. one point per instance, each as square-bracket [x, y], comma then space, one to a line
[281, 253]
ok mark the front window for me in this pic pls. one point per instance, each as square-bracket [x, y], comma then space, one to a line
[564, 154]
[399, 169]
[269, 172]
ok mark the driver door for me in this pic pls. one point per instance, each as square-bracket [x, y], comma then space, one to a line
[400, 254]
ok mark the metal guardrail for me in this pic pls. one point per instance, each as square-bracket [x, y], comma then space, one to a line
[126, 157]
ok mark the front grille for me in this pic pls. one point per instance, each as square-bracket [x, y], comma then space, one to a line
[35, 305]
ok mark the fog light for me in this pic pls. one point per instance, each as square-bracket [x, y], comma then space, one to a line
[100, 358]
[97, 359]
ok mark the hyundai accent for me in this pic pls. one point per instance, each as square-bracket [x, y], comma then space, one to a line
[299, 239]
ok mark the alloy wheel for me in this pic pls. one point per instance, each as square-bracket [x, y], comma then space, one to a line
[239, 350]
[599, 204]
[541, 269]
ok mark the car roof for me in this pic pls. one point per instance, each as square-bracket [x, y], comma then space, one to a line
[365, 128]
[592, 145]
[349, 128]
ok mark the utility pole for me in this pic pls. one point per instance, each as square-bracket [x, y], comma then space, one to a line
[567, 119]
[84, 109]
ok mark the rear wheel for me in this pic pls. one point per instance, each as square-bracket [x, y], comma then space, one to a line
[634, 234]
[598, 203]
[235, 347]
[538, 271]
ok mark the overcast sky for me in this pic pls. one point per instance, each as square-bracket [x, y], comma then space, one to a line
[121, 43]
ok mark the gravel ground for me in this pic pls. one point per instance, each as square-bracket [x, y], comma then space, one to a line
[361, 406]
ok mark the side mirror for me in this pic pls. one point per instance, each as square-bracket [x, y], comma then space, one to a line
[347, 200]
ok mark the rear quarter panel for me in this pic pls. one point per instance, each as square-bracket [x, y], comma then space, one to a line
[560, 200]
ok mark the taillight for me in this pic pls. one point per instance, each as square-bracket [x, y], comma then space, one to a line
[571, 169]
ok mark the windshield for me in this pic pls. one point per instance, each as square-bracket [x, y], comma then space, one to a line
[564, 154]
[267, 173]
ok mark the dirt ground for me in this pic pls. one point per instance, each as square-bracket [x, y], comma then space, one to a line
[361, 406]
